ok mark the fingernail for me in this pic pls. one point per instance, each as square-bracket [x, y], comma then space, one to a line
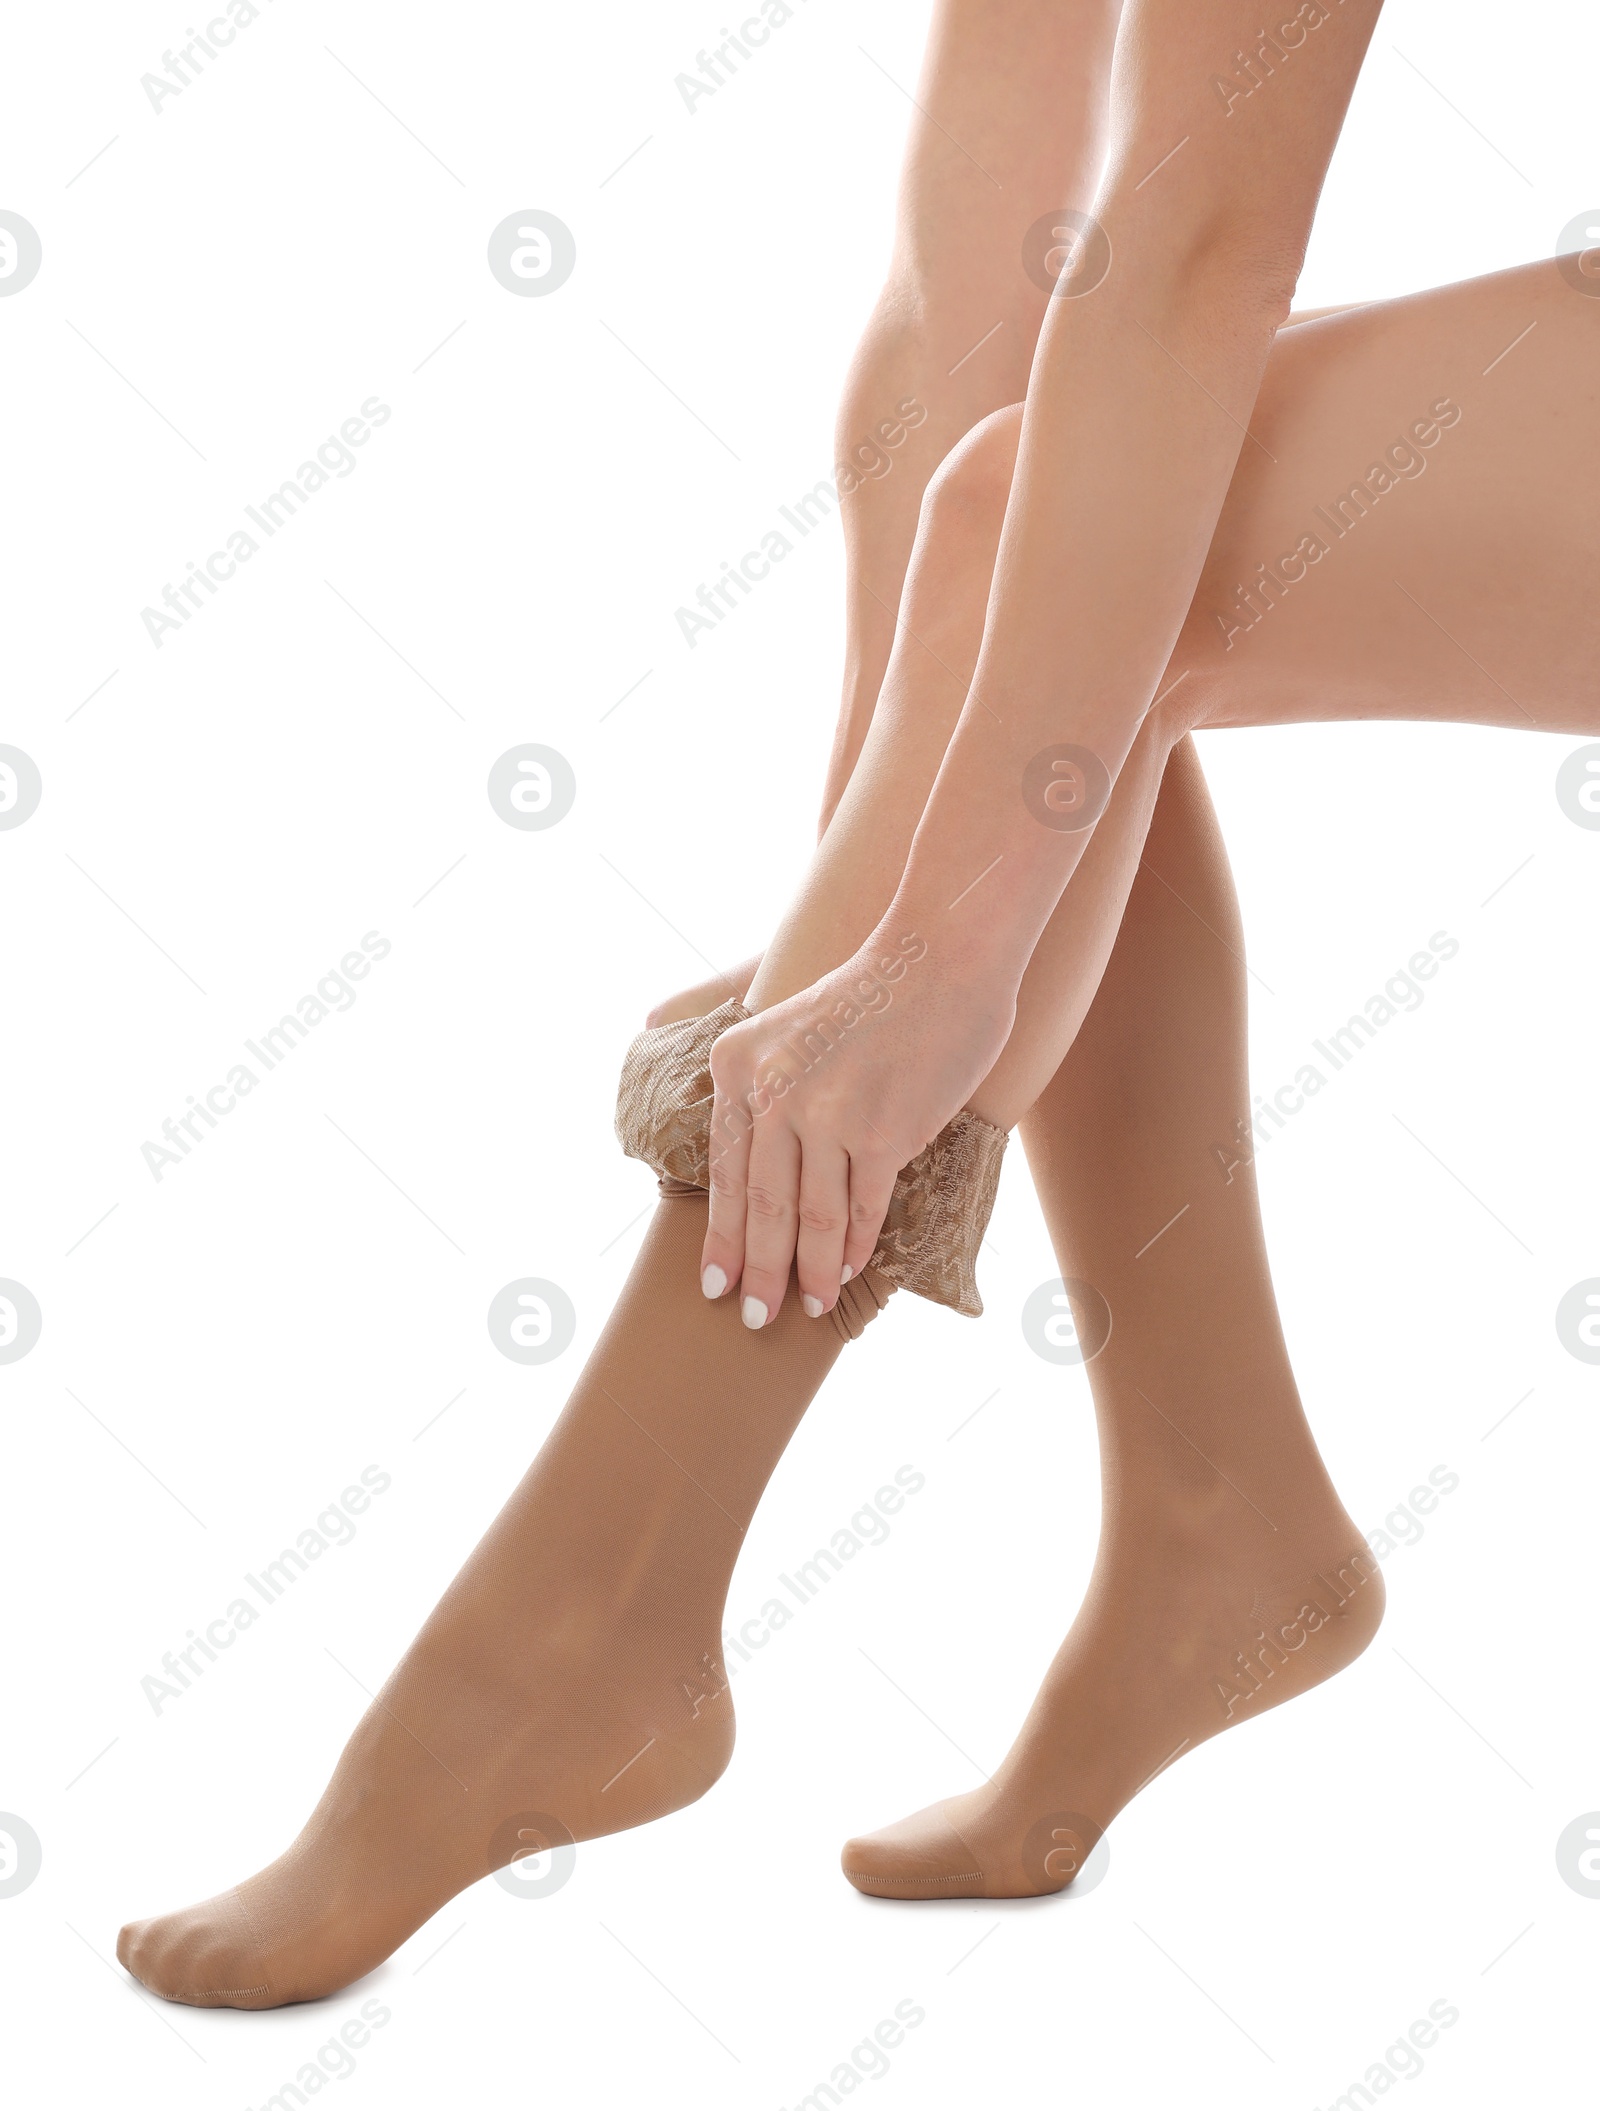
[845, 1275]
[812, 1307]
[753, 1312]
[712, 1281]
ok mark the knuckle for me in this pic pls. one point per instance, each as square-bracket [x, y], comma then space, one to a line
[767, 1204]
[724, 1064]
[818, 1217]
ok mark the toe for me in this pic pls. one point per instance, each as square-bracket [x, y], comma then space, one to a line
[922, 1856]
[206, 1956]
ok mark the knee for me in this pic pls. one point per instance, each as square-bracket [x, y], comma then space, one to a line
[966, 496]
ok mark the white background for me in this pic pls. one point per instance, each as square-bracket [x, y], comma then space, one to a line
[223, 1352]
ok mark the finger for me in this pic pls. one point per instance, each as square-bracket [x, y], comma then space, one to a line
[772, 1208]
[824, 1221]
[872, 1179]
[722, 1255]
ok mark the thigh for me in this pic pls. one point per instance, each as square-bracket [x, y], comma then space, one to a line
[1416, 538]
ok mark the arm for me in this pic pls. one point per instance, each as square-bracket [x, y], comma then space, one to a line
[1141, 391]
[1008, 122]
[1137, 409]
[855, 722]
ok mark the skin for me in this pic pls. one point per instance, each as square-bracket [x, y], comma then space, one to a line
[1010, 123]
[1459, 595]
[627, 1588]
[585, 1627]
[1462, 592]
[1119, 482]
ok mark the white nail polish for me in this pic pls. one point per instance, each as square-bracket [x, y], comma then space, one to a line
[753, 1312]
[845, 1275]
[812, 1307]
[712, 1281]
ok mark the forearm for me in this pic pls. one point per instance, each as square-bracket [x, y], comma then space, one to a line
[1009, 124]
[1117, 489]
[1138, 405]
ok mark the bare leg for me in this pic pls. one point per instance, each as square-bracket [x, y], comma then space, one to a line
[1460, 593]
[1465, 592]
[1123, 471]
[1010, 119]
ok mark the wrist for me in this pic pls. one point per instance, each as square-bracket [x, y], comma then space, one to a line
[970, 954]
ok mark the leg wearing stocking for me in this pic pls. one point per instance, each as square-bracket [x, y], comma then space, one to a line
[1229, 1576]
[570, 1673]
[1227, 1567]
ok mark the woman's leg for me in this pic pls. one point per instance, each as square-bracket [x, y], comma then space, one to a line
[1412, 540]
[522, 1716]
[1220, 1515]
[569, 1682]
[1446, 575]
[1229, 1576]
[551, 1653]
[571, 1670]
[585, 1628]
[1435, 473]
[1122, 474]
[1009, 125]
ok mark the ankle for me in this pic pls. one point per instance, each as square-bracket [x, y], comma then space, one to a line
[1179, 1522]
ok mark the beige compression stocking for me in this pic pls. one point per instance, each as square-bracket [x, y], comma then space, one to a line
[1229, 1576]
[568, 1684]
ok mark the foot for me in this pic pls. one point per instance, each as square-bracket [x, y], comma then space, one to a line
[483, 1748]
[1178, 1639]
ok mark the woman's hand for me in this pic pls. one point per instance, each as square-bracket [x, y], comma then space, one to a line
[819, 1101]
